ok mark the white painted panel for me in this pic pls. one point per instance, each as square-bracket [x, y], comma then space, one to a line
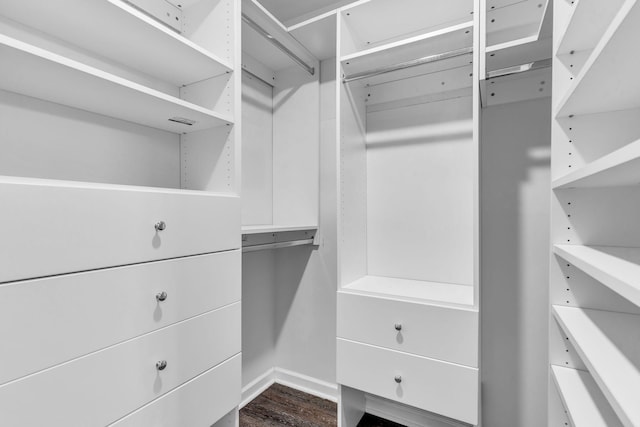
[199, 402]
[209, 160]
[47, 313]
[296, 139]
[45, 140]
[57, 227]
[318, 36]
[443, 333]
[213, 25]
[257, 151]
[417, 227]
[444, 388]
[122, 378]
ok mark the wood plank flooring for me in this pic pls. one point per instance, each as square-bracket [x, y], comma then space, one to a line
[284, 406]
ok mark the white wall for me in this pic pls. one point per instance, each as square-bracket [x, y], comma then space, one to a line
[515, 194]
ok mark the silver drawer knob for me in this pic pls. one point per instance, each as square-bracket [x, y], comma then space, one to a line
[161, 296]
[161, 365]
[398, 379]
[398, 327]
[160, 226]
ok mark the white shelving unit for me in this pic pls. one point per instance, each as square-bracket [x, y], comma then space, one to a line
[595, 298]
[581, 396]
[408, 111]
[121, 164]
[606, 343]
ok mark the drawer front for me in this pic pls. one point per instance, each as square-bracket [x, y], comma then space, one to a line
[198, 403]
[49, 230]
[443, 333]
[443, 388]
[101, 388]
[45, 322]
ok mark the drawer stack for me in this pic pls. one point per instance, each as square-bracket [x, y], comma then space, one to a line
[123, 309]
[415, 353]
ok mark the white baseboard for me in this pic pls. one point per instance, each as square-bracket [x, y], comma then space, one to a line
[257, 386]
[307, 384]
[295, 380]
[406, 415]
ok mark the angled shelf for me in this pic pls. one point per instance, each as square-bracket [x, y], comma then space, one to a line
[446, 293]
[508, 21]
[620, 168]
[607, 343]
[615, 267]
[585, 404]
[588, 21]
[38, 73]
[374, 23]
[608, 80]
[180, 61]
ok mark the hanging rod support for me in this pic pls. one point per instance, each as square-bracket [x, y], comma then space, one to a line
[264, 33]
[408, 64]
[518, 69]
[277, 245]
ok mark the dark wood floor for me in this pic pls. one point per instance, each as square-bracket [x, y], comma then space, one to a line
[283, 406]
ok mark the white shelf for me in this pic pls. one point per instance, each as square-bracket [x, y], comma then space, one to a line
[432, 43]
[607, 343]
[514, 20]
[584, 402]
[615, 267]
[318, 35]
[412, 290]
[609, 81]
[620, 168]
[375, 22]
[588, 21]
[35, 72]
[260, 229]
[118, 31]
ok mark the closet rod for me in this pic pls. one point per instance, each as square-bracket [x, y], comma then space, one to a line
[517, 69]
[264, 33]
[408, 64]
[277, 245]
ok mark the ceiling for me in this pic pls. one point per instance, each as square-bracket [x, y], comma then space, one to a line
[291, 11]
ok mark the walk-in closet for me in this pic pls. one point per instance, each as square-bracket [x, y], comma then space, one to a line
[319, 213]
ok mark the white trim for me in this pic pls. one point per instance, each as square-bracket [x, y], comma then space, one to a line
[306, 384]
[406, 415]
[256, 387]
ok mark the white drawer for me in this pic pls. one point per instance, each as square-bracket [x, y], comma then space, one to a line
[443, 388]
[54, 229]
[438, 332]
[45, 322]
[198, 403]
[100, 388]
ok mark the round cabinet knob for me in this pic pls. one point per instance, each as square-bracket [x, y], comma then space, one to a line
[398, 379]
[161, 296]
[398, 327]
[161, 365]
[160, 226]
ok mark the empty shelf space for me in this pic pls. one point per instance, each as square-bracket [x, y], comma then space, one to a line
[617, 268]
[38, 73]
[514, 20]
[583, 400]
[608, 81]
[607, 343]
[412, 289]
[122, 33]
[619, 168]
[588, 21]
[260, 229]
[373, 23]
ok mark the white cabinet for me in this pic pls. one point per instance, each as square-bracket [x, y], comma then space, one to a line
[408, 228]
[120, 182]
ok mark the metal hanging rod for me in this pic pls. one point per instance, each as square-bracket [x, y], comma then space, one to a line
[264, 33]
[408, 64]
[277, 245]
[517, 69]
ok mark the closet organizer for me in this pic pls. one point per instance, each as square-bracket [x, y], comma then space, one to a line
[408, 297]
[120, 248]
